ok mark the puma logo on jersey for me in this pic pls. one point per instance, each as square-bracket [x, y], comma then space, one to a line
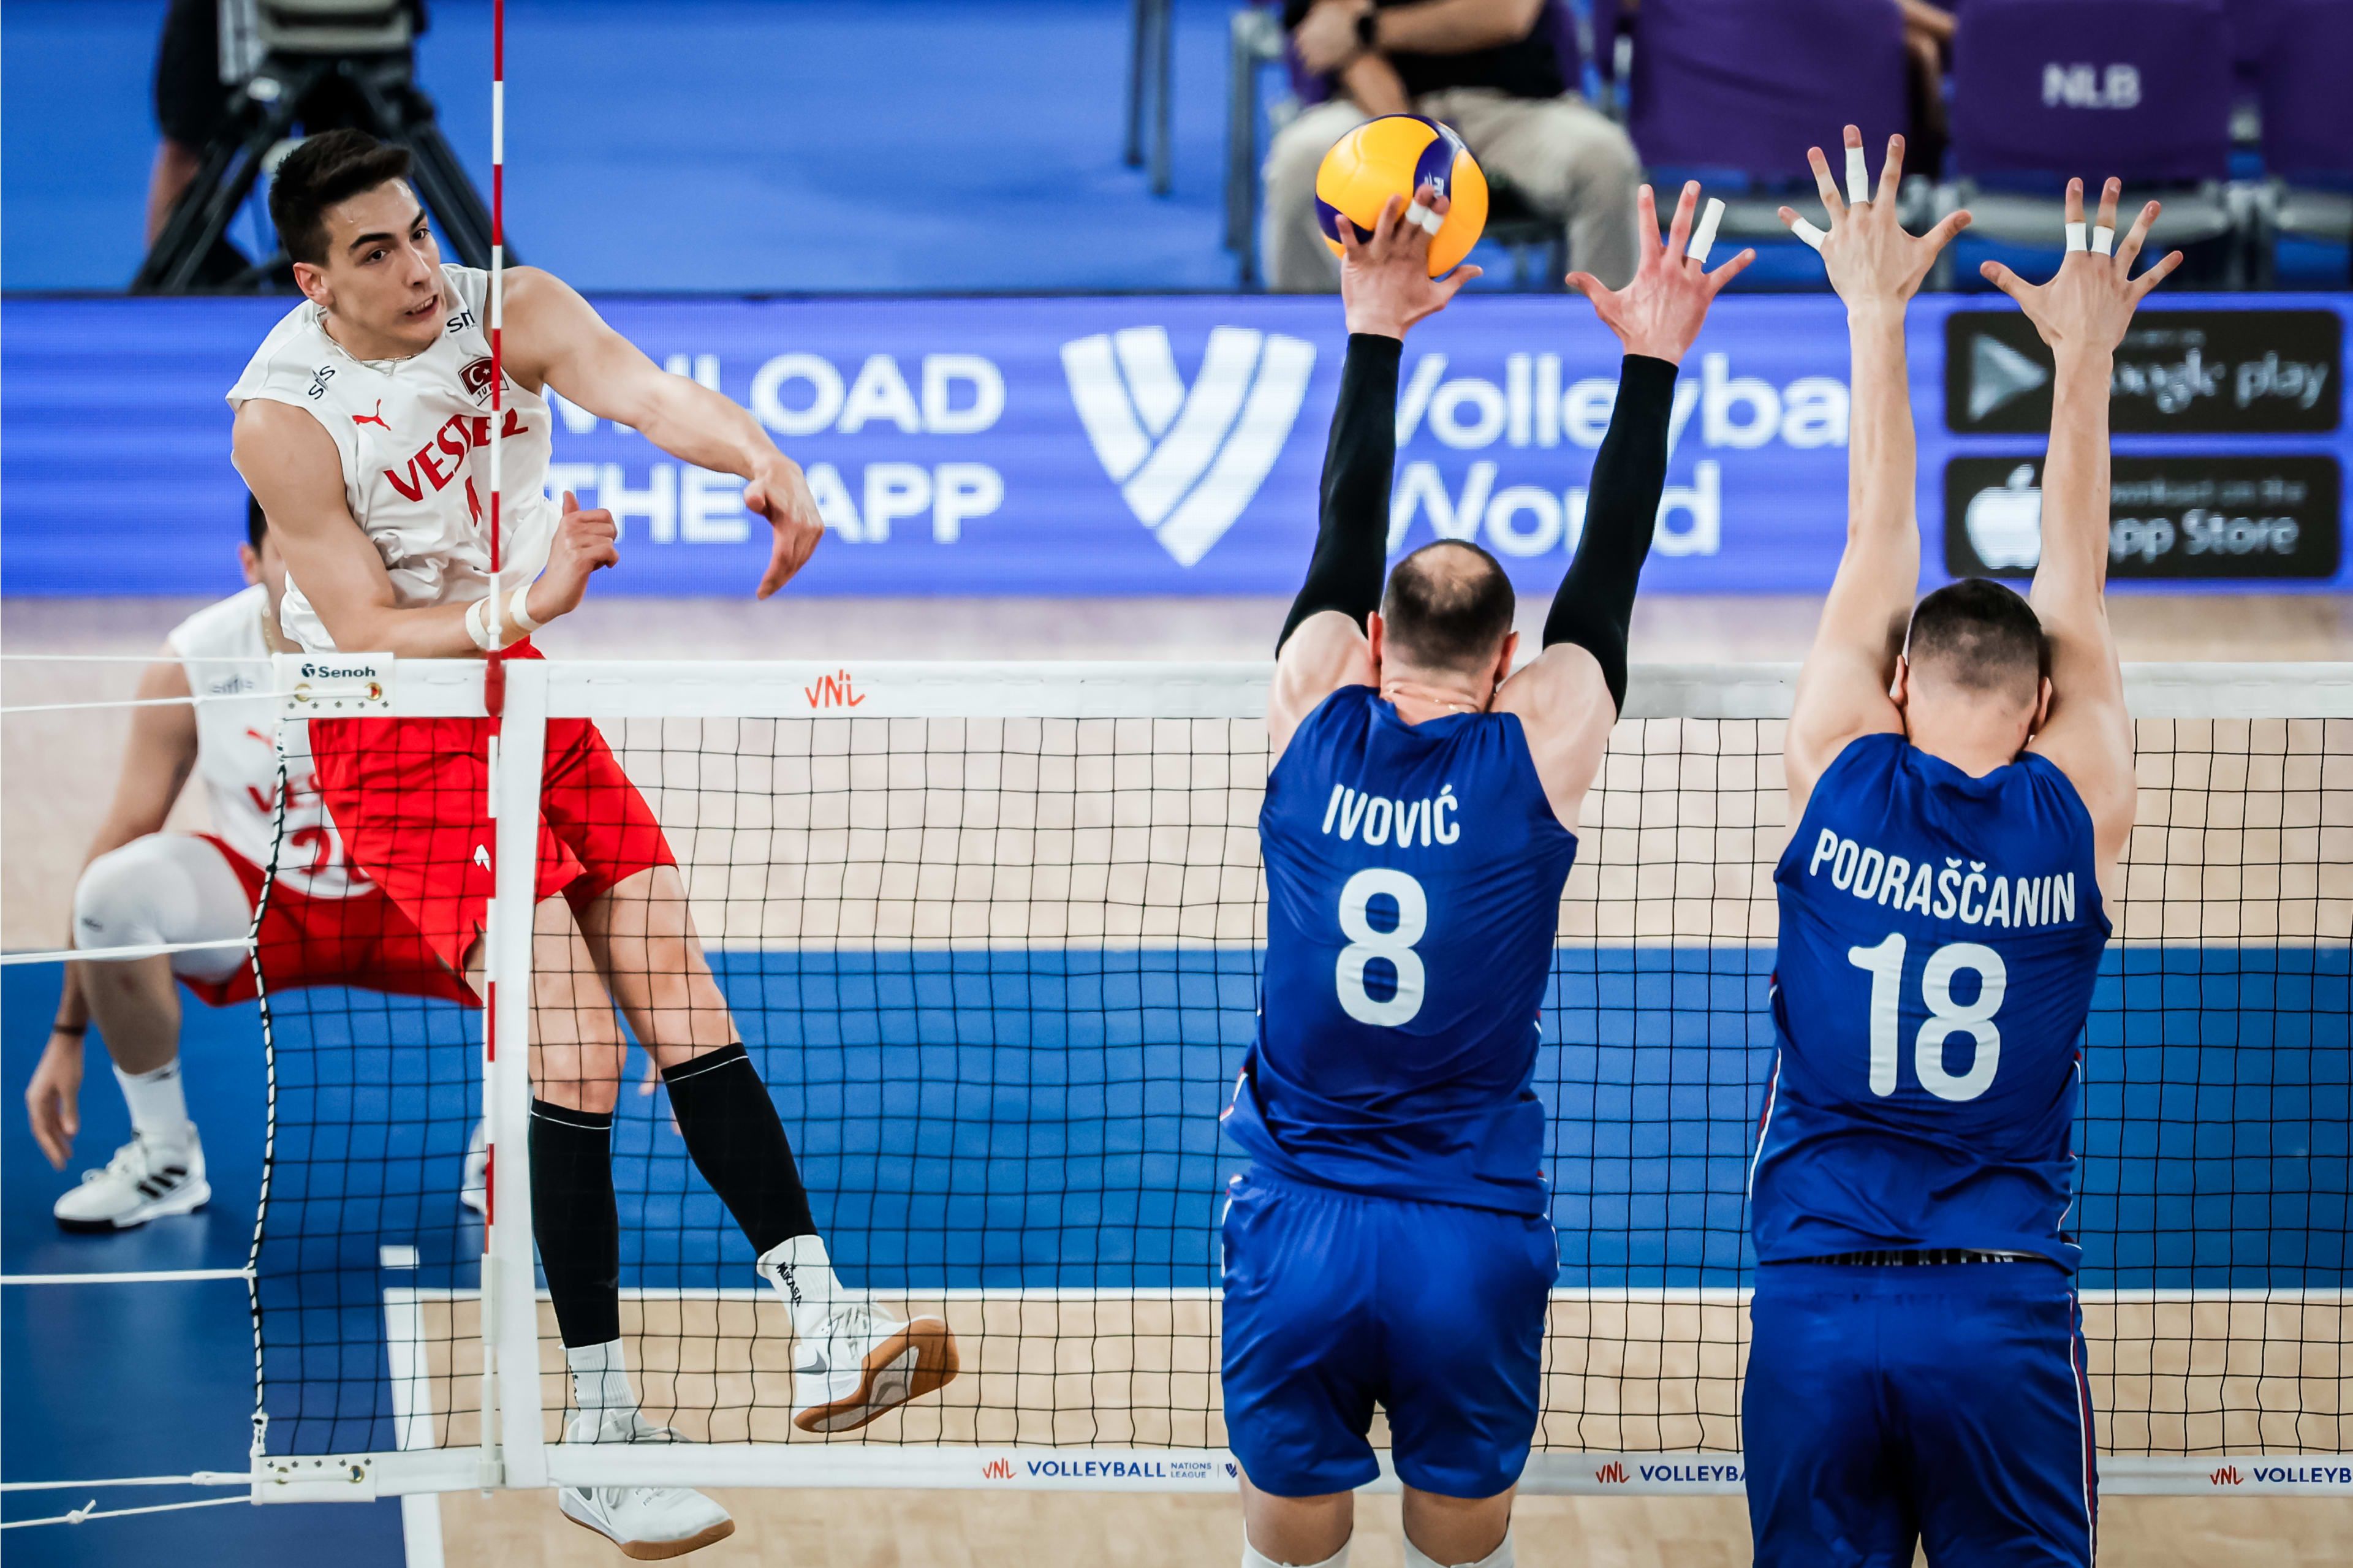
[459, 435]
[375, 418]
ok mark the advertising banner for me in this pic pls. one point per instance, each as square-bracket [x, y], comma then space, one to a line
[1150, 445]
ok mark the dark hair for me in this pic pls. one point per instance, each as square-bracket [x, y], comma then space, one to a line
[1447, 606]
[330, 167]
[1981, 635]
[257, 526]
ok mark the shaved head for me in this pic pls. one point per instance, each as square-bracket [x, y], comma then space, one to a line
[1449, 607]
[1982, 637]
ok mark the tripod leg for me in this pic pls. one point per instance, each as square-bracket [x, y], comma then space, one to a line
[404, 115]
[201, 218]
[441, 181]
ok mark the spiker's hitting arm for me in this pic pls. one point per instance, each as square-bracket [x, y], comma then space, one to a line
[2081, 315]
[1385, 286]
[1568, 698]
[1842, 692]
[552, 335]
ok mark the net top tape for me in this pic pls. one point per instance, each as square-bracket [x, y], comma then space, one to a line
[314, 686]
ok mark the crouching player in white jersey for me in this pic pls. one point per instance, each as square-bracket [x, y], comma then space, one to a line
[325, 924]
[1392, 1242]
[1960, 775]
[362, 423]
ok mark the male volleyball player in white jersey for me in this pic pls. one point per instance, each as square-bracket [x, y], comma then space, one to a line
[1392, 1242]
[325, 924]
[363, 425]
[1960, 777]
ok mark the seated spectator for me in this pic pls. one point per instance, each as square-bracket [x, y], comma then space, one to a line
[1483, 67]
[1928, 43]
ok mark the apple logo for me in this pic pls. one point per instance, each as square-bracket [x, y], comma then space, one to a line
[2005, 525]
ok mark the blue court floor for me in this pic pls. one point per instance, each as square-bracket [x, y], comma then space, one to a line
[1017, 1117]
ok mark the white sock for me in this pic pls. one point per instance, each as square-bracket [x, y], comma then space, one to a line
[803, 1272]
[1499, 1558]
[1253, 1558]
[159, 1105]
[600, 1377]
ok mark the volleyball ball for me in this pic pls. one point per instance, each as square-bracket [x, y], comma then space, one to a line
[1396, 155]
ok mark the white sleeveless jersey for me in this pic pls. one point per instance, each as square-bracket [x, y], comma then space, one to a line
[227, 662]
[414, 436]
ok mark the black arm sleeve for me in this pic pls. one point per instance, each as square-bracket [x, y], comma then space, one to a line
[1352, 541]
[1596, 600]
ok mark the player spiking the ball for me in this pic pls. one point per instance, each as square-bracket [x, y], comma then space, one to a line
[360, 426]
[325, 924]
[1392, 1241]
[1960, 774]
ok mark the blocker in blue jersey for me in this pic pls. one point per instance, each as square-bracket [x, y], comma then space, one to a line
[1392, 1243]
[1960, 774]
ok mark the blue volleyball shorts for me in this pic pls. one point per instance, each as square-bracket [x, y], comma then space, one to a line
[1945, 1405]
[1337, 1301]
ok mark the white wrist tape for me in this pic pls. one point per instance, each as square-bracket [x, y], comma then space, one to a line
[478, 625]
[2104, 240]
[1808, 233]
[519, 614]
[2075, 238]
[1858, 177]
[1703, 239]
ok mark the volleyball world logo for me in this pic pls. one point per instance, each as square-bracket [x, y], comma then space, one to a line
[1187, 459]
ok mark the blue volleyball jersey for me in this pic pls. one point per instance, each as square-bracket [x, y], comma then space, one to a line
[1414, 876]
[1939, 938]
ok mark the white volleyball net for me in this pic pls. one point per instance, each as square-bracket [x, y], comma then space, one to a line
[992, 933]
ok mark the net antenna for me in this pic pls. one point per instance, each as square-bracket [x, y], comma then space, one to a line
[318, 64]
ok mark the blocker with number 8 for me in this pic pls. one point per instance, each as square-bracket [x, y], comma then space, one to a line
[1395, 156]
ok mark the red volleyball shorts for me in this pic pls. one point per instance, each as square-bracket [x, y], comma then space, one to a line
[411, 798]
[361, 938]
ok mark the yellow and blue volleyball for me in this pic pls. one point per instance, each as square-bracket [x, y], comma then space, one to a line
[1396, 155]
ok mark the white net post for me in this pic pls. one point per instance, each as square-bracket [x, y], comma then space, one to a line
[510, 1284]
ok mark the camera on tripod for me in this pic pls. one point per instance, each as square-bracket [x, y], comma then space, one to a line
[315, 65]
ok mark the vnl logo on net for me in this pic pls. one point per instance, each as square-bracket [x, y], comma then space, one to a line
[1187, 459]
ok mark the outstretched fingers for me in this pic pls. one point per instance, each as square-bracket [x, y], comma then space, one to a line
[1951, 223]
[1891, 174]
[1801, 228]
[2154, 276]
[1678, 229]
[1728, 271]
[1827, 186]
[1646, 223]
[1858, 171]
[2078, 238]
[2137, 236]
[2003, 278]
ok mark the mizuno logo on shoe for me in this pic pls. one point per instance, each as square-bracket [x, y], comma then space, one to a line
[1187, 459]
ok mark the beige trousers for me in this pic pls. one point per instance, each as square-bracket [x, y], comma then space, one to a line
[1566, 158]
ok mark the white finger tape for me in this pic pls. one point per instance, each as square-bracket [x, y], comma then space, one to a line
[1858, 177]
[2104, 240]
[1808, 232]
[1423, 217]
[1703, 239]
[2075, 237]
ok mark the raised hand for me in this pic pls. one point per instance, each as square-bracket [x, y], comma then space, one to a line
[1869, 257]
[1384, 282]
[2088, 305]
[1659, 313]
[780, 493]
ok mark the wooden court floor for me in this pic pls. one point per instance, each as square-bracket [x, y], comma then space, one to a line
[59, 768]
